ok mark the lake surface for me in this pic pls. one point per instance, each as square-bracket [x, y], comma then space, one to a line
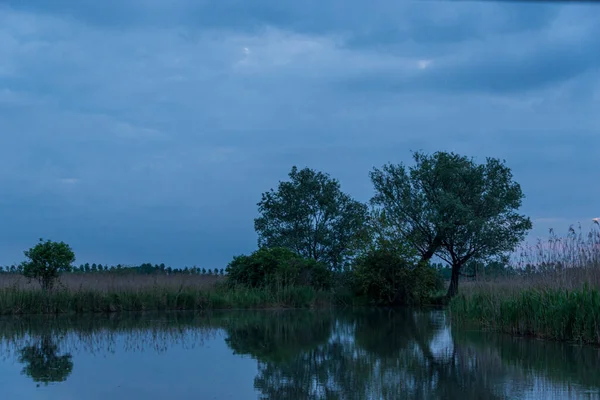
[381, 354]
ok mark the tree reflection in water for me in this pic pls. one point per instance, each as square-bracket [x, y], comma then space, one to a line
[374, 355]
[369, 354]
[42, 362]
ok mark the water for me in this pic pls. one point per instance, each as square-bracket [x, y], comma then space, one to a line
[283, 355]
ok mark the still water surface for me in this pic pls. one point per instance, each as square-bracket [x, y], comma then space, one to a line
[379, 354]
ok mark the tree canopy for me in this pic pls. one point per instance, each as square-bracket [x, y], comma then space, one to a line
[450, 206]
[310, 215]
[46, 260]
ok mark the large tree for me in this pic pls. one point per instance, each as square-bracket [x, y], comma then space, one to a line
[450, 206]
[310, 215]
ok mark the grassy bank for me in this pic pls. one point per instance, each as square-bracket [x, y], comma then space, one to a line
[79, 294]
[559, 305]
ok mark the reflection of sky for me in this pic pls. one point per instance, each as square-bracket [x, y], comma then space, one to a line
[540, 388]
[441, 345]
[208, 371]
[192, 363]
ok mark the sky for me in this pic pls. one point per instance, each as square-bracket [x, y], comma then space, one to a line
[146, 130]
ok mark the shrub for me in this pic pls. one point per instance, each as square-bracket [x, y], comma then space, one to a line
[394, 277]
[278, 266]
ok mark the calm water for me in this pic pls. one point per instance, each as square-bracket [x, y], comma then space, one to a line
[283, 355]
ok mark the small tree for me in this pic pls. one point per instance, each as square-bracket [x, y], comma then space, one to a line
[46, 261]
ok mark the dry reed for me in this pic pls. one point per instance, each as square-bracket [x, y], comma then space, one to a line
[109, 282]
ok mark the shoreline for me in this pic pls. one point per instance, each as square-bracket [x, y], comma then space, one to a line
[546, 313]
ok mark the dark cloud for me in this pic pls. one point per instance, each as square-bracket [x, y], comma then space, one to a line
[379, 22]
[146, 131]
[503, 64]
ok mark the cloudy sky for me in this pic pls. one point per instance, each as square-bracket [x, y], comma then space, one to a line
[146, 130]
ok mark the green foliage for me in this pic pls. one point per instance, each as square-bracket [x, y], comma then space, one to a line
[277, 266]
[47, 260]
[394, 276]
[556, 314]
[448, 205]
[312, 217]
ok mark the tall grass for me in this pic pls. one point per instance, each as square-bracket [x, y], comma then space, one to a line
[556, 295]
[557, 314]
[109, 282]
[576, 249]
[78, 294]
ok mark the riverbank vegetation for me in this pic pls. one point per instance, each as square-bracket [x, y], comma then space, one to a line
[318, 247]
[551, 292]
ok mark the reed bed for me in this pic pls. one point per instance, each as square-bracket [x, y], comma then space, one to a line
[555, 295]
[108, 293]
[110, 282]
[556, 314]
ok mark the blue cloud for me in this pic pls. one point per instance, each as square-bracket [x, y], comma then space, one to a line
[140, 131]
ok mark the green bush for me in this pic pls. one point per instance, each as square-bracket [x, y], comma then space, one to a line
[394, 277]
[278, 266]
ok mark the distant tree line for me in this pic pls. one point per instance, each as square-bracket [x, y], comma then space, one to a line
[145, 268]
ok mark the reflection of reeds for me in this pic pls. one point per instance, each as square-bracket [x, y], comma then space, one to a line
[139, 332]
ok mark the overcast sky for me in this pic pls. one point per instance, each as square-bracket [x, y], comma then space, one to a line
[146, 130]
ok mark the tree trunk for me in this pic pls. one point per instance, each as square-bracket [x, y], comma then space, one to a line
[453, 289]
[428, 255]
